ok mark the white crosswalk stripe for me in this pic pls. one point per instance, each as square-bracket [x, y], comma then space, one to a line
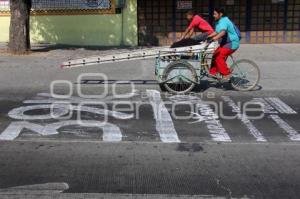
[243, 118]
[212, 121]
[280, 105]
[164, 122]
[292, 133]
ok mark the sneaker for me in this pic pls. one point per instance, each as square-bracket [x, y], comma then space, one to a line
[226, 78]
[213, 77]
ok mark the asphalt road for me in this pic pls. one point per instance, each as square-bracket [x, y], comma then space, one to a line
[215, 143]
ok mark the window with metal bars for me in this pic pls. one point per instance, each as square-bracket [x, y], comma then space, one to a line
[293, 15]
[70, 4]
[4, 5]
[65, 7]
[63, 4]
[275, 21]
[155, 22]
[235, 10]
[267, 16]
[260, 21]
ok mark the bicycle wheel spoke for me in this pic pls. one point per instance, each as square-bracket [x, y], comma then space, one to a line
[245, 75]
[179, 77]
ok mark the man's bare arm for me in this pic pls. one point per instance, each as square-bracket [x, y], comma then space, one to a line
[186, 32]
[212, 35]
[192, 31]
[220, 35]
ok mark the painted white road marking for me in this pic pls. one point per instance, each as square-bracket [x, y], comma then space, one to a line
[280, 106]
[55, 111]
[59, 110]
[164, 122]
[111, 132]
[205, 114]
[251, 128]
[198, 117]
[15, 128]
[267, 108]
[74, 99]
[47, 188]
[292, 133]
[215, 128]
[115, 114]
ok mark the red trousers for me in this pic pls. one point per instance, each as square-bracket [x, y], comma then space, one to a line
[219, 64]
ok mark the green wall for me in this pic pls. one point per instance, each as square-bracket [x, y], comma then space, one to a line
[100, 30]
[4, 29]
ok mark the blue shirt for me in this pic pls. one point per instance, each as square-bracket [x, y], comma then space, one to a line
[231, 40]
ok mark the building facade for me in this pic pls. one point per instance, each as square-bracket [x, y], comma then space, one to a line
[152, 22]
[78, 22]
[260, 21]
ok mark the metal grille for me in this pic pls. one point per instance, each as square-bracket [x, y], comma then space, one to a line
[236, 11]
[70, 4]
[63, 4]
[267, 15]
[155, 22]
[165, 23]
[293, 15]
[275, 21]
[161, 23]
[4, 5]
[201, 8]
[261, 21]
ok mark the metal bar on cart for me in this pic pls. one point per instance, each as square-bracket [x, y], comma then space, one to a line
[137, 55]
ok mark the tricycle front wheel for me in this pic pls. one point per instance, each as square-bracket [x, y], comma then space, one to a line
[245, 75]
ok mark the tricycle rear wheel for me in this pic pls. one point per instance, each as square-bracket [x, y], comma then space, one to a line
[180, 77]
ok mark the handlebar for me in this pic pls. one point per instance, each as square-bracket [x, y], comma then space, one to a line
[208, 42]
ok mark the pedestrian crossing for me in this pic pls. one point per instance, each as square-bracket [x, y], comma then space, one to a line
[154, 117]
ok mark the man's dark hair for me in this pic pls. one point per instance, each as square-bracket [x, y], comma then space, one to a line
[221, 10]
[191, 12]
